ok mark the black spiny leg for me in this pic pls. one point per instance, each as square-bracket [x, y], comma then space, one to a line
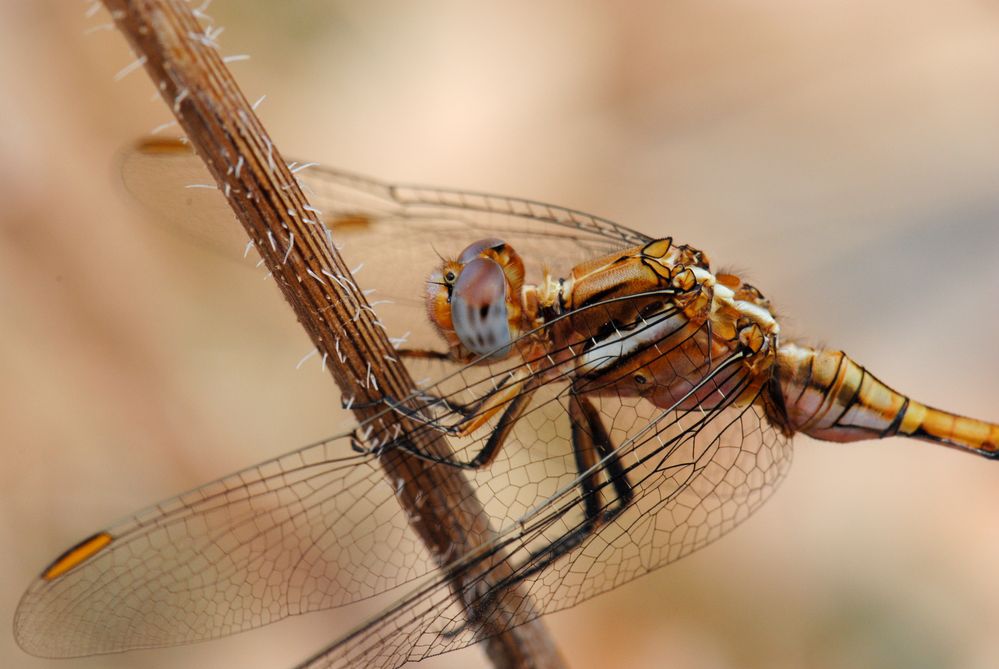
[612, 465]
[590, 444]
[502, 430]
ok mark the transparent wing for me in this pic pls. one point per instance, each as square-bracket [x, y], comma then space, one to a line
[312, 529]
[293, 534]
[391, 235]
[386, 219]
[319, 527]
[696, 475]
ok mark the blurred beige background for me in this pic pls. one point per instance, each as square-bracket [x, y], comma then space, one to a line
[843, 153]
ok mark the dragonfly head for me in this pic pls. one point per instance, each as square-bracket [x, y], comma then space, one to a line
[474, 301]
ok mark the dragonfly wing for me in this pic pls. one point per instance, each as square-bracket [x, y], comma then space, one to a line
[303, 532]
[313, 529]
[174, 185]
[391, 236]
[696, 475]
[310, 530]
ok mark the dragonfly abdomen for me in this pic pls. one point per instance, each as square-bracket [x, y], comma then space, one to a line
[829, 396]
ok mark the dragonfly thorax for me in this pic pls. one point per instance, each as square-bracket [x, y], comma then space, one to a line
[654, 321]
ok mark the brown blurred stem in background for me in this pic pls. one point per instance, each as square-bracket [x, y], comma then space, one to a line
[185, 65]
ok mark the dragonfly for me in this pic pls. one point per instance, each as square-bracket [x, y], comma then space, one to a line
[614, 401]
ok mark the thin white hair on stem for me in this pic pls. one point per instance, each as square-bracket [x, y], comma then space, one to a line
[181, 96]
[306, 357]
[162, 126]
[99, 28]
[301, 167]
[130, 68]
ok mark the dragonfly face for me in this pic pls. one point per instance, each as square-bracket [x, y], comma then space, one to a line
[615, 403]
[475, 300]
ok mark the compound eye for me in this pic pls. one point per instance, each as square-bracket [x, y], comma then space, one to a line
[481, 249]
[479, 309]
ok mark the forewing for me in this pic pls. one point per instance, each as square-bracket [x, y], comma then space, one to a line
[391, 236]
[397, 227]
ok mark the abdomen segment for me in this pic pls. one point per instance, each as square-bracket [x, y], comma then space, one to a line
[829, 396]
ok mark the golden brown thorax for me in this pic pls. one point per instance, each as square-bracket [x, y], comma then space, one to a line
[594, 319]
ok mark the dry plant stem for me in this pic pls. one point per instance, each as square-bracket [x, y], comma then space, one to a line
[186, 66]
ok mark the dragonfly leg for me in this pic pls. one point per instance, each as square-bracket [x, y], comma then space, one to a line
[471, 416]
[593, 451]
[511, 402]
